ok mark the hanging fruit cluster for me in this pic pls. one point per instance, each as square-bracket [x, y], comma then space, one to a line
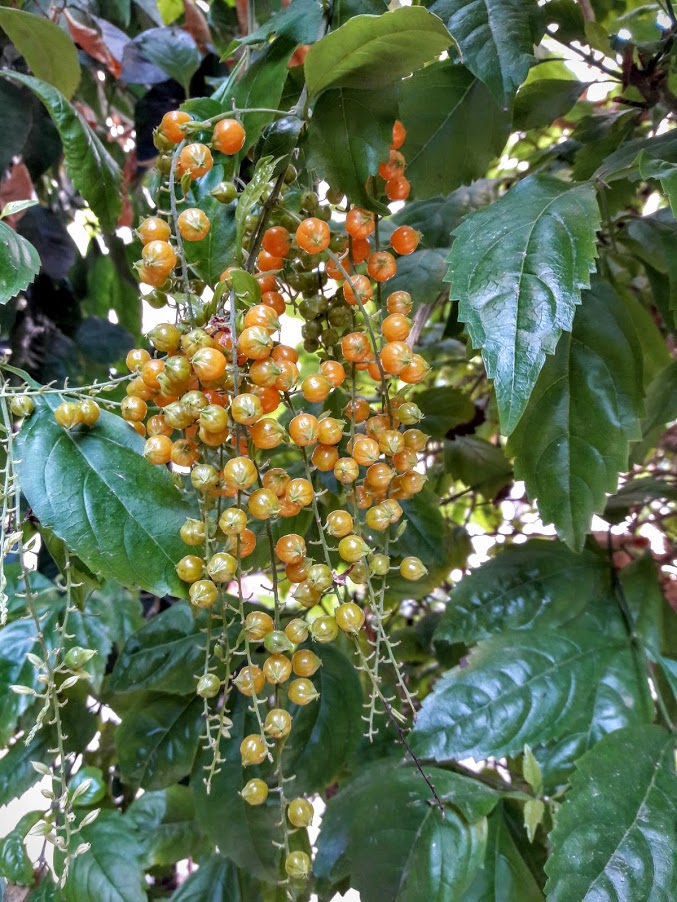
[221, 389]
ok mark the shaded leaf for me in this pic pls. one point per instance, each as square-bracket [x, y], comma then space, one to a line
[120, 515]
[173, 50]
[216, 880]
[454, 128]
[165, 654]
[91, 168]
[538, 584]
[19, 263]
[421, 274]
[17, 775]
[349, 135]
[47, 49]
[373, 51]
[541, 102]
[615, 838]
[444, 408]
[517, 688]
[158, 738]
[17, 639]
[478, 464]
[165, 821]
[517, 270]
[300, 23]
[574, 437]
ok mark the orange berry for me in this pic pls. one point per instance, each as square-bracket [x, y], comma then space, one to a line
[276, 241]
[193, 224]
[398, 188]
[153, 229]
[229, 136]
[396, 327]
[399, 135]
[360, 223]
[359, 287]
[316, 387]
[381, 266]
[404, 240]
[313, 235]
[170, 126]
[303, 429]
[196, 159]
[334, 372]
[355, 347]
[395, 356]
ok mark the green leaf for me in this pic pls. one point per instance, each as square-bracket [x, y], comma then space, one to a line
[17, 124]
[17, 775]
[349, 135]
[517, 688]
[665, 172]
[421, 274]
[17, 639]
[243, 833]
[299, 23]
[373, 51]
[541, 102]
[454, 128]
[165, 654]
[635, 494]
[325, 733]
[615, 837]
[534, 809]
[383, 830]
[623, 163]
[46, 891]
[91, 168]
[48, 50]
[261, 86]
[426, 533]
[19, 263]
[158, 738]
[538, 584]
[343, 10]
[211, 256]
[165, 821]
[120, 515]
[251, 196]
[111, 870]
[495, 38]
[119, 609]
[517, 268]
[216, 880]
[531, 770]
[652, 240]
[173, 50]
[16, 206]
[15, 864]
[444, 408]
[504, 875]
[574, 438]
[661, 402]
[88, 630]
[478, 464]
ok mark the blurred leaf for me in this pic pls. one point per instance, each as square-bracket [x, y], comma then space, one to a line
[517, 688]
[19, 263]
[17, 639]
[48, 234]
[17, 775]
[48, 50]
[541, 102]
[158, 739]
[478, 464]
[346, 9]
[165, 821]
[251, 196]
[120, 515]
[517, 268]
[613, 834]
[17, 120]
[91, 168]
[444, 408]
[454, 128]
[103, 341]
[173, 50]
[426, 534]
[111, 871]
[216, 880]
[373, 51]
[299, 23]
[421, 274]
[164, 654]
[636, 493]
[573, 439]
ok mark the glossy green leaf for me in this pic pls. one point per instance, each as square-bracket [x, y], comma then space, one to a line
[111, 871]
[624, 162]
[325, 733]
[243, 833]
[17, 639]
[120, 515]
[165, 821]
[88, 630]
[495, 38]
[443, 409]
[544, 100]
[517, 268]
[349, 135]
[661, 402]
[373, 51]
[478, 464]
[91, 168]
[573, 439]
[517, 688]
[383, 830]
[165, 654]
[17, 775]
[538, 584]
[19, 263]
[173, 50]
[504, 874]
[15, 864]
[615, 836]
[48, 50]
[300, 23]
[158, 739]
[119, 609]
[46, 891]
[216, 880]
[454, 128]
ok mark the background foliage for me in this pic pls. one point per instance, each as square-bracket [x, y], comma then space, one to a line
[542, 156]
